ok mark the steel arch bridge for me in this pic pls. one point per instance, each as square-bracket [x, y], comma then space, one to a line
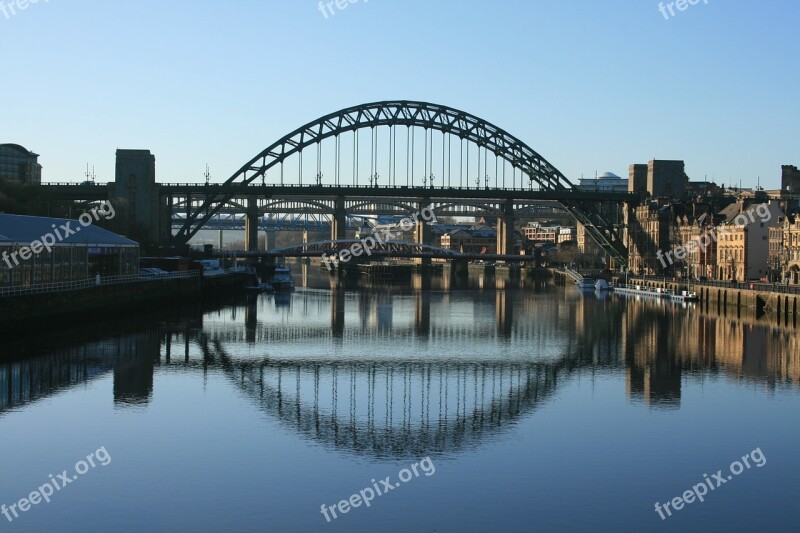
[544, 178]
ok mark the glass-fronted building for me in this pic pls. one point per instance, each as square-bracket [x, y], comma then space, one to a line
[20, 165]
[77, 252]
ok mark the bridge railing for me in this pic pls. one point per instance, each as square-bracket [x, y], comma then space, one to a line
[73, 184]
[64, 286]
[571, 273]
[348, 186]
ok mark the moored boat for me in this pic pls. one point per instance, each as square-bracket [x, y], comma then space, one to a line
[657, 293]
[686, 296]
[282, 279]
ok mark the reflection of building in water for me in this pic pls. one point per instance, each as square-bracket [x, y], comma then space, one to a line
[31, 379]
[663, 340]
[653, 373]
[756, 352]
[131, 358]
[133, 367]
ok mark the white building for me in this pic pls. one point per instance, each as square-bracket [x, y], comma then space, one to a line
[605, 182]
[743, 240]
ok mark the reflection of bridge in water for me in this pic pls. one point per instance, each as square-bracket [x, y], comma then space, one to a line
[391, 408]
[375, 321]
[397, 401]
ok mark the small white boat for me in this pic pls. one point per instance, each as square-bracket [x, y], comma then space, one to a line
[685, 296]
[586, 283]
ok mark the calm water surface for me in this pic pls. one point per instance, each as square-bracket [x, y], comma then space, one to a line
[539, 409]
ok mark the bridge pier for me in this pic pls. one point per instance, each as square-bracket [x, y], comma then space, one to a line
[272, 239]
[459, 268]
[251, 226]
[339, 220]
[505, 229]
[422, 232]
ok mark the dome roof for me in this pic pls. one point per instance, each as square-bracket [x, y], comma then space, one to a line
[608, 175]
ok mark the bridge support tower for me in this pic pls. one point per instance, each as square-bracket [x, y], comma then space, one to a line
[422, 232]
[251, 226]
[505, 229]
[272, 239]
[459, 268]
[339, 220]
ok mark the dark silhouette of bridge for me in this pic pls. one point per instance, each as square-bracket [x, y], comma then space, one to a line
[383, 250]
[386, 158]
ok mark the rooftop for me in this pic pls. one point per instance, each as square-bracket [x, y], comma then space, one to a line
[26, 229]
[18, 148]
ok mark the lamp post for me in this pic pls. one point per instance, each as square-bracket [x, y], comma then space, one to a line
[783, 256]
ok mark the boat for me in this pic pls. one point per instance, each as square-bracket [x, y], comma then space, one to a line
[261, 287]
[638, 290]
[586, 283]
[685, 296]
[282, 279]
[656, 293]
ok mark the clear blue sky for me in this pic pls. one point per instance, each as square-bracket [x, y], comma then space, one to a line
[591, 85]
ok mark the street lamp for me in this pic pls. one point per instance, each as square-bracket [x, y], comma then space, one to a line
[783, 257]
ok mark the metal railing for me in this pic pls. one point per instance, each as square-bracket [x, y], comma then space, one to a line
[742, 285]
[64, 286]
[572, 274]
[75, 184]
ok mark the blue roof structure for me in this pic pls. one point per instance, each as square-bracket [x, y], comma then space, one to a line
[23, 229]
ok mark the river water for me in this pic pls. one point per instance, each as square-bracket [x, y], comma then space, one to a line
[488, 406]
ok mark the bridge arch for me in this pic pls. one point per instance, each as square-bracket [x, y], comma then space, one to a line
[429, 116]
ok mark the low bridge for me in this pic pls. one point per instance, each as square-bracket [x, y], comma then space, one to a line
[389, 249]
